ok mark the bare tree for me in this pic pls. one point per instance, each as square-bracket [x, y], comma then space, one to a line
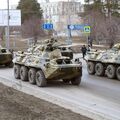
[105, 27]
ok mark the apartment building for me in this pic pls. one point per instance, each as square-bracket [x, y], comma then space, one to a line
[61, 14]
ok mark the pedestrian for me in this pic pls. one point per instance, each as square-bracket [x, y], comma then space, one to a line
[90, 41]
[88, 49]
[84, 50]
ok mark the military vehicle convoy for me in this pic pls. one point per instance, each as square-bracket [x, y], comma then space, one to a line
[5, 57]
[45, 62]
[105, 62]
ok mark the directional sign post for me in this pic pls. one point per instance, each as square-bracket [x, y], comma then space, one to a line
[82, 27]
[71, 27]
[48, 26]
[76, 27]
[86, 29]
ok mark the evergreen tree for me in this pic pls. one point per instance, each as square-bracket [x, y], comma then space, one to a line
[112, 7]
[32, 21]
[29, 9]
[107, 7]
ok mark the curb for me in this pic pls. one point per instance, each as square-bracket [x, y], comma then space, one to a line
[55, 99]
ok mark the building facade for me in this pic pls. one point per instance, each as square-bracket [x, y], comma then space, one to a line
[61, 14]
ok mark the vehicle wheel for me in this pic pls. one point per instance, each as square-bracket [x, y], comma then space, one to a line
[91, 67]
[32, 75]
[24, 73]
[99, 69]
[76, 81]
[110, 71]
[66, 81]
[40, 79]
[17, 71]
[118, 73]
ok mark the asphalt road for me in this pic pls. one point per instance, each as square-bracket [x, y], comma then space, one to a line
[96, 97]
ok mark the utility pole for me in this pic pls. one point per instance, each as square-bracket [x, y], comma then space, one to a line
[69, 40]
[8, 27]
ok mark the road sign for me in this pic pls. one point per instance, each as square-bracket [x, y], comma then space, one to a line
[87, 29]
[71, 27]
[48, 26]
[15, 18]
[76, 27]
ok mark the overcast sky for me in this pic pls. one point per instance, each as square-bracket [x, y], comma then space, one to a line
[3, 3]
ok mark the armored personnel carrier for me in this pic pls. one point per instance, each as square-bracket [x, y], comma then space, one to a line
[65, 50]
[5, 57]
[45, 62]
[105, 62]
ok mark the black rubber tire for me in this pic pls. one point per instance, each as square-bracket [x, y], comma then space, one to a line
[99, 69]
[24, 73]
[76, 81]
[32, 76]
[111, 71]
[118, 73]
[91, 67]
[17, 71]
[66, 81]
[40, 79]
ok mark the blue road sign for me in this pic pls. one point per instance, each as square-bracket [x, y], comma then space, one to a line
[48, 26]
[76, 27]
[85, 28]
